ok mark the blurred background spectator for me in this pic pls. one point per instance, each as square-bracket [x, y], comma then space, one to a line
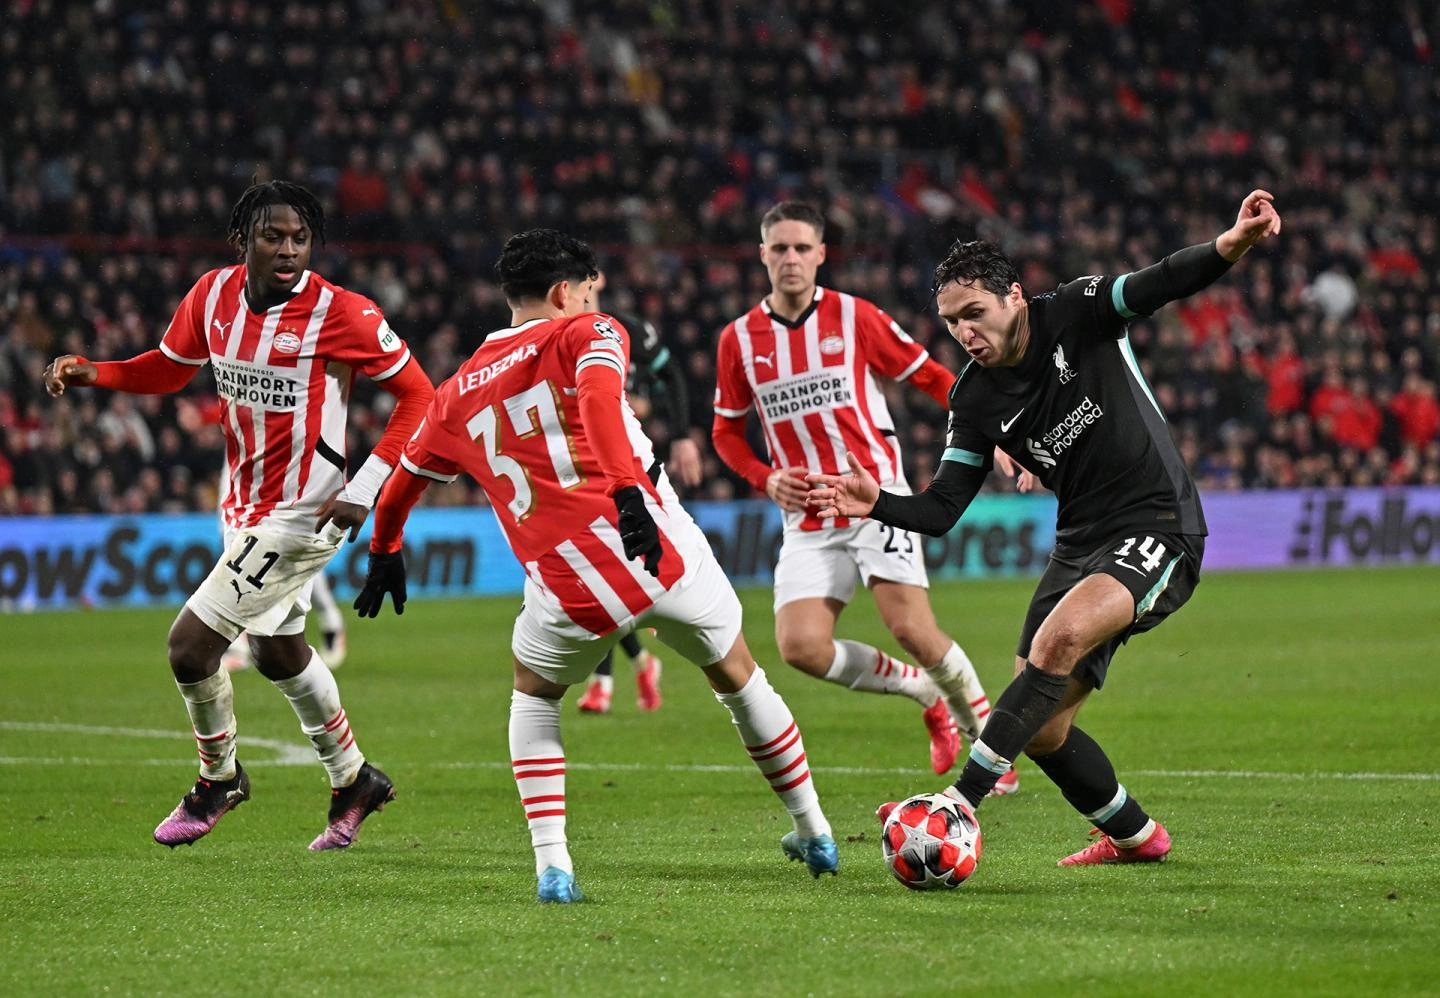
[1088, 137]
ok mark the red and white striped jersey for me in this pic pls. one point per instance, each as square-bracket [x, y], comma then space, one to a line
[284, 377]
[812, 382]
[510, 418]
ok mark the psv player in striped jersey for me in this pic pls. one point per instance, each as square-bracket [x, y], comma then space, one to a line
[285, 345]
[806, 358]
[538, 416]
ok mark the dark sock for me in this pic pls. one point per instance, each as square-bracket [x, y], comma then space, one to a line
[631, 644]
[1085, 776]
[607, 664]
[1027, 703]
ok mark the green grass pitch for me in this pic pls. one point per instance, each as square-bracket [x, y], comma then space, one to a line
[1283, 726]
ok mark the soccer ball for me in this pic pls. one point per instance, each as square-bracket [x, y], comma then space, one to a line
[931, 842]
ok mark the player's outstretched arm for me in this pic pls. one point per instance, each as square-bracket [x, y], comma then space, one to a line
[1194, 268]
[932, 512]
[149, 373]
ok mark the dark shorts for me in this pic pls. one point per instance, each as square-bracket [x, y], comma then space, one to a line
[1160, 570]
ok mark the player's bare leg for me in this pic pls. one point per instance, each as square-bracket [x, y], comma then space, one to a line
[194, 651]
[805, 633]
[1037, 713]
[332, 622]
[770, 735]
[357, 788]
[537, 759]
[907, 614]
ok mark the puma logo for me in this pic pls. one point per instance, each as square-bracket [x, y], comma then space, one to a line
[768, 359]
[239, 594]
[369, 311]
[222, 326]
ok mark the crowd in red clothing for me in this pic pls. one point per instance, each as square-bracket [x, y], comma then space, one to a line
[1085, 138]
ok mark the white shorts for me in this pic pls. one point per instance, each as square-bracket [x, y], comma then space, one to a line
[262, 582]
[828, 563]
[699, 617]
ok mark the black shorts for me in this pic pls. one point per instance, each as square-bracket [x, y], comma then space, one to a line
[1160, 570]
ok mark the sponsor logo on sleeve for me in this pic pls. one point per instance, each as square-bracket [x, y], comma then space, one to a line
[389, 342]
[608, 331]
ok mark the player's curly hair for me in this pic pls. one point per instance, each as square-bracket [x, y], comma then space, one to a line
[976, 262]
[534, 261]
[258, 199]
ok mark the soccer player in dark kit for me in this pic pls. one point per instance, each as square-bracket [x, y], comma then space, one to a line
[1053, 382]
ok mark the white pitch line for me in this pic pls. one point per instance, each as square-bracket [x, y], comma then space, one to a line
[290, 754]
[287, 753]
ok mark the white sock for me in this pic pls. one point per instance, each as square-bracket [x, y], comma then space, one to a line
[315, 699]
[211, 705]
[769, 733]
[331, 619]
[607, 682]
[955, 675]
[1138, 838]
[867, 668]
[538, 760]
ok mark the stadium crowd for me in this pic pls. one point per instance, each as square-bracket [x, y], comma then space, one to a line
[1086, 138]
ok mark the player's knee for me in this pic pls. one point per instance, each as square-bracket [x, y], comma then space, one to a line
[1057, 648]
[189, 658]
[808, 653]
[920, 639]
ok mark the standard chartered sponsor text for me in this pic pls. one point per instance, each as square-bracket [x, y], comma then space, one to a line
[1069, 429]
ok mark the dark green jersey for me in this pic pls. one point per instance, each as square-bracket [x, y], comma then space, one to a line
[1078, 413]
[655, 373]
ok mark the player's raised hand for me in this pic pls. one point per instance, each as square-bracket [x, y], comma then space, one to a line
[638, 532]
[849, 495]
[788, 487]
[1257, 220]
[66, 370]
[385, 574]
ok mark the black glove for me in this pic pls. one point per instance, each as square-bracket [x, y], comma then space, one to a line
[385, 574]
[637, 528]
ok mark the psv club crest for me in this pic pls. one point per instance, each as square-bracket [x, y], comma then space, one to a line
[287, 341]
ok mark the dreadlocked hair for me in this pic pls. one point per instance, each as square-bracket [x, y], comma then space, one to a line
[260, 198]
